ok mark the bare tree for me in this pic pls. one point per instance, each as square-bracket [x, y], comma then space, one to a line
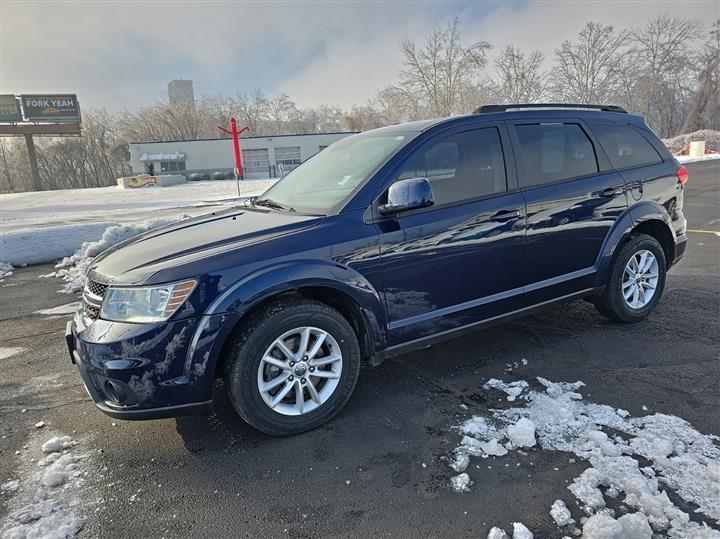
[663, 49]
[14, 165]
[705, 111]
[436, 73]
[253, 110]
[588, 70]
[520, 77]
[390, 107]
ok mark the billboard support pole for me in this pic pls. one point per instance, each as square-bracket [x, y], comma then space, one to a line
[32, 156]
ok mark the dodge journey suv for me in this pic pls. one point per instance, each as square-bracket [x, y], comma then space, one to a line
[382, 243]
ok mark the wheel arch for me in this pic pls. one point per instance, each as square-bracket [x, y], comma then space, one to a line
[646, 218]
[337, 286]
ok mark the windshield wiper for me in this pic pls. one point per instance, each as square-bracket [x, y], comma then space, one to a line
[270, 203]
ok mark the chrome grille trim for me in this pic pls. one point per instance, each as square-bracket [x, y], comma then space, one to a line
[92, 297]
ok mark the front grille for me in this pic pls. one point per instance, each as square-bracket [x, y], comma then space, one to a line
[92, 299]
[96, 288]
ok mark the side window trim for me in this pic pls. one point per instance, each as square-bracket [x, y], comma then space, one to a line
[601, 159]
[511, 179]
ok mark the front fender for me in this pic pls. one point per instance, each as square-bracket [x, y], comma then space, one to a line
[625, 224]
[238, 299]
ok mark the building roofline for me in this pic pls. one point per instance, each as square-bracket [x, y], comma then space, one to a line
[241, 138]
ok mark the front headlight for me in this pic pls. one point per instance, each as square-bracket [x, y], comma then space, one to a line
[145, 303]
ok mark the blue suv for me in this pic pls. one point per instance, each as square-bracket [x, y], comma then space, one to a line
[385, 242]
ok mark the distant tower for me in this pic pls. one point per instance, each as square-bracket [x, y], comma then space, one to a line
[181, 91]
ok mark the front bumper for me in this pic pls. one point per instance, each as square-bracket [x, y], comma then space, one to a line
[147, 371]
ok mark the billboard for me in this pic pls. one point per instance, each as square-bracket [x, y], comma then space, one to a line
[52, 107]
[9, 110]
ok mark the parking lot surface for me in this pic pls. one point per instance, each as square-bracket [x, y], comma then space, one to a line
[380, 467]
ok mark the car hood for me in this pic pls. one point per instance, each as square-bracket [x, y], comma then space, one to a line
[135, 260]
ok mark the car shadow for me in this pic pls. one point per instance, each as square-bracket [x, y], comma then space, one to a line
[221, 429]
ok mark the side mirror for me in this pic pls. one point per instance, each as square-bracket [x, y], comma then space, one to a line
[409, 194]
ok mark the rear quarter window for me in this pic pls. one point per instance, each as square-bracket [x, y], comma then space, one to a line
[626, 147]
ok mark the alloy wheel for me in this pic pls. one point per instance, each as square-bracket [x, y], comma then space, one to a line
[300, 370]
[640, 279]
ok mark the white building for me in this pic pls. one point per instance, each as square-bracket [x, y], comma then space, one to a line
[262, 157]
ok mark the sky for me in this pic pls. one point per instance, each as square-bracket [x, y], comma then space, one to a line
[119, 55]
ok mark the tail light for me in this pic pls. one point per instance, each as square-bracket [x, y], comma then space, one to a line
[682, 175]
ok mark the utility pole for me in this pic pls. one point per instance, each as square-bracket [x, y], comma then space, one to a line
[32, 155]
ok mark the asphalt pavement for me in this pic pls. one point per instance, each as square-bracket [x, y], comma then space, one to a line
[379, 467]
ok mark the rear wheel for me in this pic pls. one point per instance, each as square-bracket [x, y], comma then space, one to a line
[292, 367]
[637, 280]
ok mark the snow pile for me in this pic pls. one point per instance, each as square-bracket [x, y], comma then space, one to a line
[461, 483]
[711, 138]
[74, 268]
[561, 514]
[46, 244]
[46, 499]
[520, 531]
[6, 270]
[57, 443]
[636, 461]
[513, 389]
[630, 526]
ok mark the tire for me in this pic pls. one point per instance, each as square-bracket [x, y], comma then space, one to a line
[612, 303]
[257, 340]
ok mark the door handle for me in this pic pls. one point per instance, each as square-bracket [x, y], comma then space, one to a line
[611, 192]
[505, 215]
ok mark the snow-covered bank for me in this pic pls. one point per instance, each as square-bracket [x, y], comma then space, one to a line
[110, 204]
[52, 225]
[47, 244]
[634, 460]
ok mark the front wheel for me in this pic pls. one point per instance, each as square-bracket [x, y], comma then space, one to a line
[293, 366]
[637, 280]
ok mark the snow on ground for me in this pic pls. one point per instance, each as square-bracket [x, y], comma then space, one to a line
[6, 353]
[687, 159]
[52, 208]
[46, 498]
[69, 308]
[636, 460]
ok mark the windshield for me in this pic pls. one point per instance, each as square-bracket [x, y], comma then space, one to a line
[329, 177]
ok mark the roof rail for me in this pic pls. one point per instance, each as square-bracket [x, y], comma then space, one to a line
[502, 108]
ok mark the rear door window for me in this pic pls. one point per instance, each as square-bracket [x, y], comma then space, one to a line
[625, 146]
[461, 167]
[552, 152]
